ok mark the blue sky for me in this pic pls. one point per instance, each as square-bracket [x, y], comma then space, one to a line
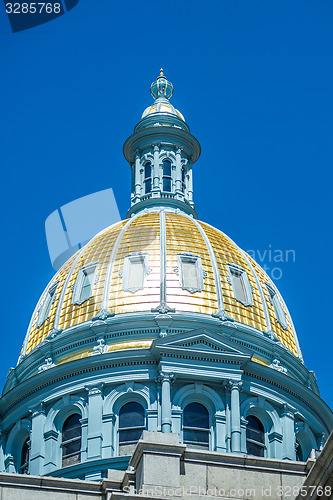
[254, 81]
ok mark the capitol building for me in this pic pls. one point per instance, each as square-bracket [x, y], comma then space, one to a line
[161, 360]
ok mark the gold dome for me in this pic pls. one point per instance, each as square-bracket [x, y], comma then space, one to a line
[164, 107]
[143, 233]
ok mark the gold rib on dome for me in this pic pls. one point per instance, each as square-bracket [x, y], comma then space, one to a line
[142, 234]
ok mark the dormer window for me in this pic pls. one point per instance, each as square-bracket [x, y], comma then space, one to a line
[279, 312]
[147, 180]
[167, 177]
[134, 272]
[45, 309]
[241, 287]
[84, 285]
[190, 272]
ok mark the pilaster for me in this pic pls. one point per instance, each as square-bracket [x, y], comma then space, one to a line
[51, 440]
[220, 425]
[94, 438]
[275, 445]
[37, 447]
[289, 440]
[10, 464]
[108, 445]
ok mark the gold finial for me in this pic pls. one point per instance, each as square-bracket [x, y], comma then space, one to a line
[161, 72]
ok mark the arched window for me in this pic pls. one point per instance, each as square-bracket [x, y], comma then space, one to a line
[71, 440]
[147, 177]
[255, 437]
[167, 178]
[24, 464]
[299, 452]
[131, 422]
[196, 425]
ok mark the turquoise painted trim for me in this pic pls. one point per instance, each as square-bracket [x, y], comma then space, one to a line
[78, 471]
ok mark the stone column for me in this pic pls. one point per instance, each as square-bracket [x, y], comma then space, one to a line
[37, 445]
[178, 180]
[94, 438]
[137, 180]
[288, 432]
[228, 424]
[235, 387]
[189, 184]
[165, 380]
[156, 172]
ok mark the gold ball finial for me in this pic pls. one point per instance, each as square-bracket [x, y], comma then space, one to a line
[161, 72]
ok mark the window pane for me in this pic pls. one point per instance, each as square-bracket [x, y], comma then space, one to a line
[132, 415]
[255, 437]
[238, 286]
[71, 428]
[196, 415]
[71, 447]
[47, 305]
[147, 170]
[254, 449]
[255, 429]
[189, 274]
[24, 466]
[129, 435]
[71, 460]
[147, 186]
[279, 312]
[183, 175]
[136, 273]
[195, 436]
[71, 440]
[166, 184]
[299, 452]
[167, 168]
[87, 285]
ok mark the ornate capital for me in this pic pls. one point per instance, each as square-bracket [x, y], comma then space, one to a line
[38, 410]
[95, 391]
[165, 377]
[287, 411]
[156, 147]
[235, 384]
